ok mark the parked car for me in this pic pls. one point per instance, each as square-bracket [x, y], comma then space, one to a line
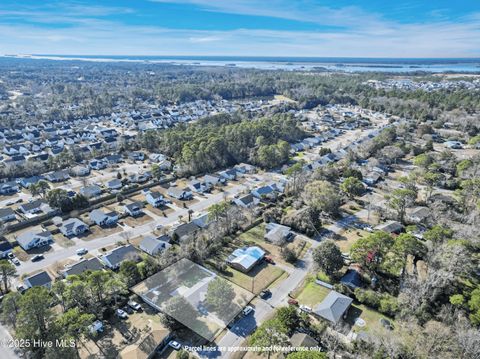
[15, 261]
[37, 258]
[121, 314]
[96, 327]
[82, 251]
[293, 301]
[269, 259]
[127, 309]
[10, 255]
[21, 289]
[175, 345]
[247, 310]
[134, 305]
[265, 293]
[201, 308]
[305, 308]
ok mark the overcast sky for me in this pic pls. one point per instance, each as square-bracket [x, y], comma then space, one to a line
[350, 28]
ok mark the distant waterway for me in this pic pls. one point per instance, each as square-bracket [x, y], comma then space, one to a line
[404, 65]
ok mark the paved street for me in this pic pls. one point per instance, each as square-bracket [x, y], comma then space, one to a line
[61, 253]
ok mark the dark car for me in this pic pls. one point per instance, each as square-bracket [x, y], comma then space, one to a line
[293, 301]
[37, 258]
[264, 294]
[269, 260]
[127, 309]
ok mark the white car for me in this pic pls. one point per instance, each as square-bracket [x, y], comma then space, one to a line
[305, 308]
[174, 344]
[15, 261]
[134, 305]
[121, 314]
[82, 251]
[247, 310]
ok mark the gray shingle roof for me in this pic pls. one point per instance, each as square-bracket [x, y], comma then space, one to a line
[333, 306]
[39, 279]
[84, 265]
[118, 255]
[5, 212]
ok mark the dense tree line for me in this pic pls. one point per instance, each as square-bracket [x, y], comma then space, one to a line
[224, 140]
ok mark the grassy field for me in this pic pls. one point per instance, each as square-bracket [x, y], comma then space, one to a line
[349, 237]
[370, 316]
[259, 278]
[311, 294]
[254, 237]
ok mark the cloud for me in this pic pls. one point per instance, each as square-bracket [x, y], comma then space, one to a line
[91, 31]
[298, 10]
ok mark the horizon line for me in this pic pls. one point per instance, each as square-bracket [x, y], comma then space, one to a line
[20, 55]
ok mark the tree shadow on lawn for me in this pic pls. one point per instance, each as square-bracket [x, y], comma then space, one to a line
[353, 314]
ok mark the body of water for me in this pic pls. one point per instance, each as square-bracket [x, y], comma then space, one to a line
[437, 65]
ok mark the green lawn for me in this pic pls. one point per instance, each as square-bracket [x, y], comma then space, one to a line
[312, 293]
[259, 278]
[253, 234]
[369, 315]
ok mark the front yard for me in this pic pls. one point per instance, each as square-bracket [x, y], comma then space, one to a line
[310, 294]
[259, 278]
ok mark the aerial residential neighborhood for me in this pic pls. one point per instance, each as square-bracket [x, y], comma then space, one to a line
[324, 205]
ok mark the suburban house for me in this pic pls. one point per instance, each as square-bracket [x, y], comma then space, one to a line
[244, 168]
[199, 187]
[41, 279]
[156, 157]
[244, 259]
[98, 164]
[103, 219]
[213, 180]
[229, 175]
[264, 192]
[114, 184]
[182, 194]
[34, 207]
[185, 231]
[57, 176]
[136, 156]
[7, 214]
[28, 181]
[31, 239]
[155, 198]
[247, 201]
[91, 191]
[139, 177]
[418, 214]
[392, 227]
[153, 246]
[80, 171]
[203, 220]
[73, 227]
[334, 307]
[371, 178]
[5, 248]
[83, 265]
[278, 234]
[133, 209]
[116, 256]
[8, 187]
[114, 158]
[352, 279]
